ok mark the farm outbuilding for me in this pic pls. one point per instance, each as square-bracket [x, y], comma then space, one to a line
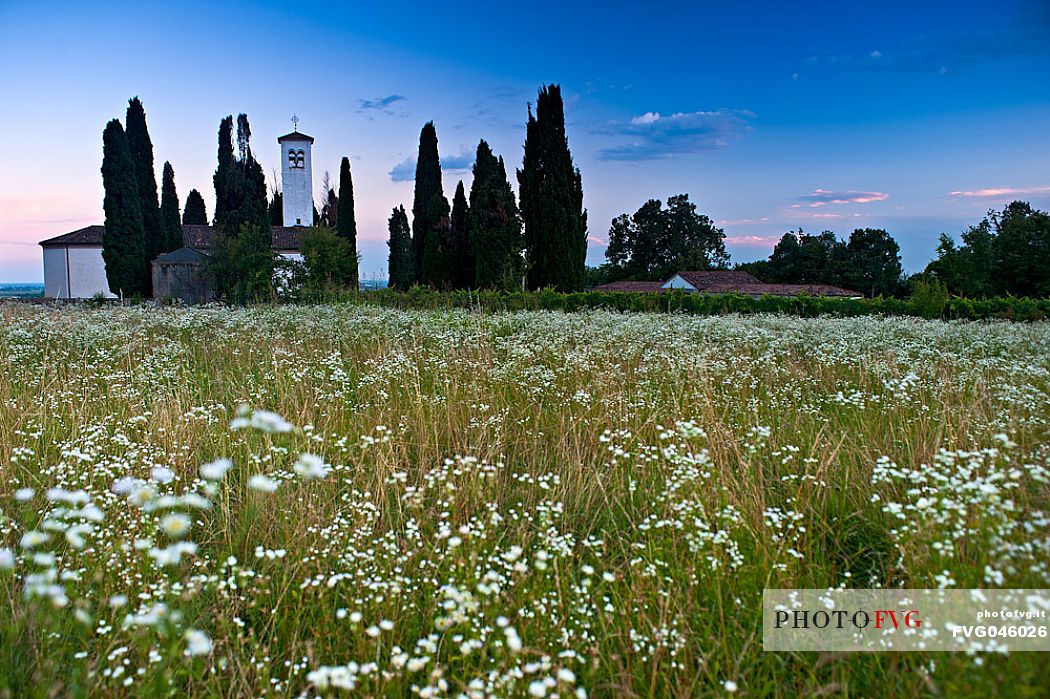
[181, 275]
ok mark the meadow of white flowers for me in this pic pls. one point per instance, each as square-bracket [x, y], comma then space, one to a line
[345, 500]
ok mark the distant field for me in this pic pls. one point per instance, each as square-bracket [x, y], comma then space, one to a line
[447, 503]
[16, 291]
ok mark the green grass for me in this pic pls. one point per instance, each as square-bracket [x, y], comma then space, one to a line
[613, 490]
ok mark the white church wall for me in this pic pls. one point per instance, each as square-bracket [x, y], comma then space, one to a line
[87, 272]
[55, 273]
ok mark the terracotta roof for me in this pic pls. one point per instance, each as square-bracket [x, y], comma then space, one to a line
[284, 237]
[706, 278]
[760, 289]
[629, 286]
[295, 136]
[89, 235]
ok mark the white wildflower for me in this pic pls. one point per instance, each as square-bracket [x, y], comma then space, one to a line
[310, 467]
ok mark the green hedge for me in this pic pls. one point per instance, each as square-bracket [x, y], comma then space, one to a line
[705, 304]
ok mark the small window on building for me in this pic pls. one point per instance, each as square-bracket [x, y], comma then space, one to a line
[298, 222]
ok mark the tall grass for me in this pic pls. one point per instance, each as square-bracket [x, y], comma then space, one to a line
[519, 504]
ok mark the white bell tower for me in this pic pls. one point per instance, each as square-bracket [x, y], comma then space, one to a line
[297, 183]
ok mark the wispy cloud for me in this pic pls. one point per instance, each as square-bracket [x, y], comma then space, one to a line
[405, 171]
[653, 136]
[936, 55]
[1000, 192]
[380, 104]
[823, 197]
[757, 241]
[741, 221]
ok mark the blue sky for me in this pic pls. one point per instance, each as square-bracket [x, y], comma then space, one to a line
[914, 117]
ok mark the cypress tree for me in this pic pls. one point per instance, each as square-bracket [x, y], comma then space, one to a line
[222, 173]
[124, 240]
[427, 189]
[462, 252]
[141, 148]
[243, 260]
[195, 214]
[437, 245]
[495, 226]
[401, 267]
[169, 210]
[551, 192]
[277, 209]
[346, 223]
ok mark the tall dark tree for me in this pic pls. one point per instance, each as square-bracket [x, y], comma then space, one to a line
[195, 213]
[141, 148]
[277, 209]
[426, 205]
[495, 225]
[655, 243]
[346, 221]
[124, 240]
[243, 260]
[222, 173]
[438, 268]
[551, 193]
[169, 210]
[463, 263]
[401, 267]
[873, 262]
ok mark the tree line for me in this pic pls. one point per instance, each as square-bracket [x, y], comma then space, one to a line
[1006, 254]
[490, 240]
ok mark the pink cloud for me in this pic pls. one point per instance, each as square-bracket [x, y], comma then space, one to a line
[823, 197]
[995, 192]
[596, 241]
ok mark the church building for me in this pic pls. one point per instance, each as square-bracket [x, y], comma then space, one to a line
[73, 264]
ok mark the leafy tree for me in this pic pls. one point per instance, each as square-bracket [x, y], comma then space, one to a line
[124, 240]
[194, 213]
[1008, 252]
[346, 222]
[495, 225]
[551, 193]
[1024, 250]
[655, 243]
[463, 263]
[169, 210]
[426, 204]
[141, 148]
[401, 267]
[873, 262]
[329, 259]
[243, 259]
[808, 259]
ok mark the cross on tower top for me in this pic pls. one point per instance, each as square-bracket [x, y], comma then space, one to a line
[295, 122]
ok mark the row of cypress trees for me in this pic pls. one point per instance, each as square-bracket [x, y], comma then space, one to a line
[137, 227]
[488, 241]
